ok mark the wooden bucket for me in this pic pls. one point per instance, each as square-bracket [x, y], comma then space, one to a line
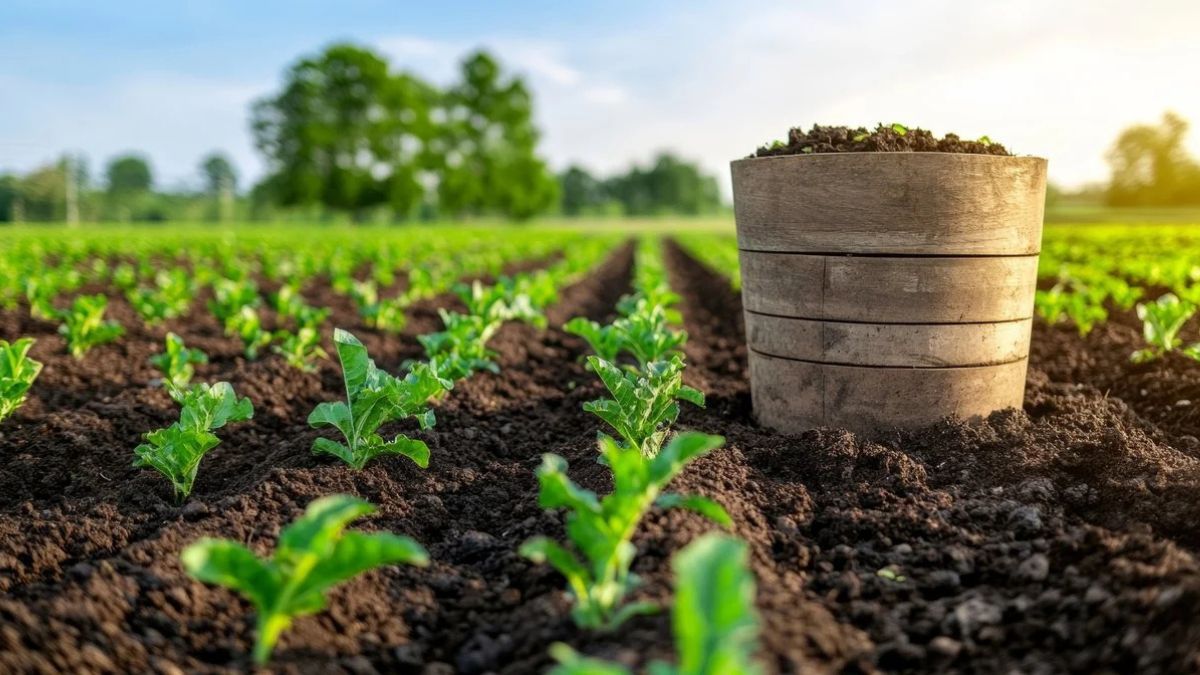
[887, 290]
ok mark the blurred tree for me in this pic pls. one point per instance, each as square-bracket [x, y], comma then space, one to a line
[581, 192]
[488, 144]
[671, 186]
[129, 174]
[345, 133]
[220, 182]
[43, 193]
[10, 198]
[1151, 166]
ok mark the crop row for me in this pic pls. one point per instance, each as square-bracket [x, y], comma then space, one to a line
[637, 357]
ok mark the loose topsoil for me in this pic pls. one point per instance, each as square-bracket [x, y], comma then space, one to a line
[822, 139]
[1058, 538]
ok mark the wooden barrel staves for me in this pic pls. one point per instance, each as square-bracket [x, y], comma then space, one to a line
[886, 290]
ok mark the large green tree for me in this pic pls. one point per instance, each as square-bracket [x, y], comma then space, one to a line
[345, 133]
[1151, 166]
[489, 144]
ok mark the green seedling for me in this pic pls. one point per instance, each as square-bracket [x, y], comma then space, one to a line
[460, 349]
[177, 364]
[374, 397]
[301, 349]
[716, 625]
[601, 529]
[84, 326]
[246, 324]
[1161, 322]
[229, 297]
[176, 451]
[168, 299]
[643, 405]
[314, 554]
[606, 341]
[17, 373]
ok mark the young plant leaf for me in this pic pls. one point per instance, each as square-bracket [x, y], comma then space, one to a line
[176, 451]
[643, 405]
[601, 529]
[177, 365]
[17, 373]
[374, 397]
[716, 625]
[314, 554]
[84, 326]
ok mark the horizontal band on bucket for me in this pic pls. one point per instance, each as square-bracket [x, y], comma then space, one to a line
[887, 323]
[847, 254]
[897, 368]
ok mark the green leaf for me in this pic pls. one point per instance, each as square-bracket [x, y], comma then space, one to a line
[355, 553]
[323, 521]
[900, 129]
[682, 449]
[313, 555]
[229, 564]
[702, 505]
[571, 663]
[716, 626]
[373, 398]
[541, 549]
[557, 490]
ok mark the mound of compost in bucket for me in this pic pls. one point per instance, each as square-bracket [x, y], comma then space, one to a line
[889, 138]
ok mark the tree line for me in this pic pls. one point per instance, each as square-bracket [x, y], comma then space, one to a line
[348, 135]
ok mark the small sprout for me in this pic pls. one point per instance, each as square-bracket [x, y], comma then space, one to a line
[861, 136]
[1161, 322]
[168, 299]
[314, 554]
[176, 364]
[891, 574]
[601, 529]
[985, 140]
[899, 129]
[17, 373]
[247, 325]
[716, 625]
[374, 397]
[460, 349]
[84, 326]
[807, 149]
[643, 405]
[176, 451]
[301, 349]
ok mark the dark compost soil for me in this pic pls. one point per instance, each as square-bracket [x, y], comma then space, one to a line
[1060, 538]
[822, 139]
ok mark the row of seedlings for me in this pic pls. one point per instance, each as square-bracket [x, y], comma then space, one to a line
[315, 552]
[638, 359]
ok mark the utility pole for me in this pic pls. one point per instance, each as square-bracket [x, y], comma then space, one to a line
[72, 189]
[225, 197]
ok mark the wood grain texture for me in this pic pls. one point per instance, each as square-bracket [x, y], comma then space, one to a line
[889, 290]
[883, 344]
[924, 203]
[795, 396]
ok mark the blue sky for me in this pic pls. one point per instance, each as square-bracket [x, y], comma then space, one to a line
[614, 81]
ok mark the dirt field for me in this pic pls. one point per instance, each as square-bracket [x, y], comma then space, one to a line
[1060, 538]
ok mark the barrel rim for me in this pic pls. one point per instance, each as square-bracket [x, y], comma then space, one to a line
[876, 154]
